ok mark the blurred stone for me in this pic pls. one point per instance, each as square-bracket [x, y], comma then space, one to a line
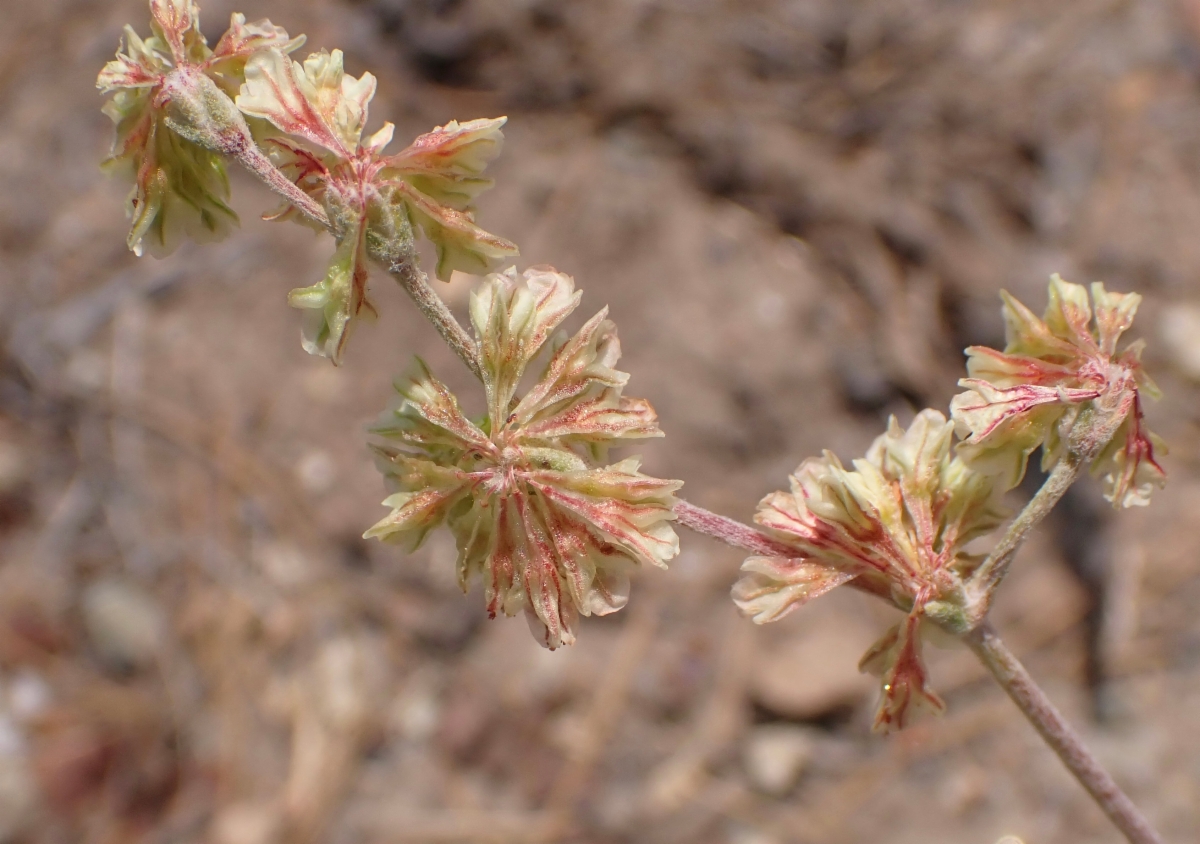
[14, 468]
[741, 834]
[28, 695]
[316, 471]
[124, 623]
[343, 680]
[964, 789]
[323, 383]
[285, 564]
[775, 755]
[814, 674]
[18, 794]
[416, 711]
[617, 807]
[86, 371]
[1179, 329]
[247, 823]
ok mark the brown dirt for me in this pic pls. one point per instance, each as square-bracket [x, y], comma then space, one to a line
[799, 214]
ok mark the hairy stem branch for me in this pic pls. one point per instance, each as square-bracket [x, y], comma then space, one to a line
[253, 159]
[1032, 701]
[983, 582]
[729, 531]
[413, 279]
[748, 538]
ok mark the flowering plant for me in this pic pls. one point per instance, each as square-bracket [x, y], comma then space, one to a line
[536, 509]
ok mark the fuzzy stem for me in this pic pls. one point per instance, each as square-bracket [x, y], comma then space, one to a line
[254, 160]
[413, 279]
[1049, 722]
[983, 582]
[730, 531]
[202, 113]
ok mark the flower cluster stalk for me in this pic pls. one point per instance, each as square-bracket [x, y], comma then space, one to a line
[983, 582]
[416, 284]
[1062, 738]
[258, 165]
[727, 530]
[1005, 669]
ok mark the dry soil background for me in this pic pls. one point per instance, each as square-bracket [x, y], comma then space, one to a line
[799, 212]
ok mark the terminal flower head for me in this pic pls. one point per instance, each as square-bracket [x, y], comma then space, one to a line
[537, 511]
[1061, 383]
[174, 117]
[312, 120]
[896, 524]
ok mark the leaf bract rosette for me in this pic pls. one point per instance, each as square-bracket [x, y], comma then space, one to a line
[1061, 384]
[536, 510]
[897, 524]
[310, 120]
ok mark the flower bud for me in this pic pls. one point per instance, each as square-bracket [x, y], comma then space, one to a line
[196, 109]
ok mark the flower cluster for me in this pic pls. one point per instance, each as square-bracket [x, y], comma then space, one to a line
[180, 108]
[180, 185]
[526, 492]
[896, 524]
[311, 119]
[1061, 384]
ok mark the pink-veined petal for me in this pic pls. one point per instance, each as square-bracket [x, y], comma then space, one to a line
[513, 316]
[1069, 313]
[447, 164]
[332, 305]
[316, 101]
[243, 39]
[1114, 315]
[430, 492]
[605, 417]
[543, 567]
[429, 417]
[1010, 370]
[126, 72]
[1129, 464]
[1027, 335]
[630, 510]
[983, 409]
[585, 360]
[177, 22]
[774, 586]
[460, 243]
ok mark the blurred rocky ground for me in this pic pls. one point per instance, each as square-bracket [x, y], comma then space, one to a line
[799, 213]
